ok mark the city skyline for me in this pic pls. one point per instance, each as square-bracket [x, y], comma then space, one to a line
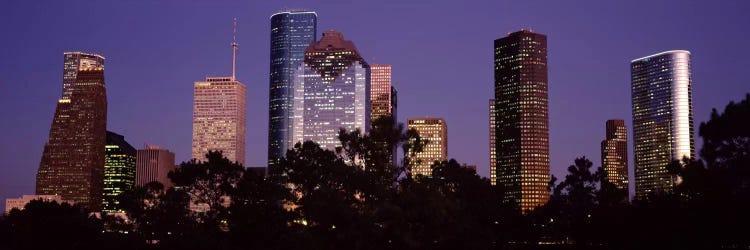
[559, 100]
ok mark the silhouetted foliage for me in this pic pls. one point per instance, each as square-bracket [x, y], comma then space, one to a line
[49, 225]
[359, 197]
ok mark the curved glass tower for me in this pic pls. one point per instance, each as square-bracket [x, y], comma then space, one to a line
[291, 33]
[662, 118]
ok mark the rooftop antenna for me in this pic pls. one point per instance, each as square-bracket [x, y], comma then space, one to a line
[234, 50]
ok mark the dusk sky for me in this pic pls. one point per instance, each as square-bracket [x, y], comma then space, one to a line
[441, 52]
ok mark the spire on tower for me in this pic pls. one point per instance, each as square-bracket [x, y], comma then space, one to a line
[234, 50]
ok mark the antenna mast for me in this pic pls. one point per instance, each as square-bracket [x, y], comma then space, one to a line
[234, 50]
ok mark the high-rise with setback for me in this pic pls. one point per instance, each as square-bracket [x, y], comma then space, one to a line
[662, 118]
[331, 91]
[615, 153]
[291, 33]
[72, 164]
[522, 119]
[219, 115]
[119, 171]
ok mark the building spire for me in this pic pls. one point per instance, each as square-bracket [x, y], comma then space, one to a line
[234, 51]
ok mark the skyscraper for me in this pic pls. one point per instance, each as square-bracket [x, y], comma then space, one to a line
[219, 116]
[291, 33]
[72, 164]
[493, 151]
[381, 91]
[435, 131]
[662, 118]
[331, 91]
[615, 153]
[119, 171]
[522, 121]
[153, 163]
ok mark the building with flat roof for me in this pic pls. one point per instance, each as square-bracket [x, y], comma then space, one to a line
[435, 131]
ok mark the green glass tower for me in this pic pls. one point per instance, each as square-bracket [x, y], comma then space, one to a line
[119, 171]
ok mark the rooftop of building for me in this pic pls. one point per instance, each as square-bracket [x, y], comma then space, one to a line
[661, 54]
[293, 12]
[83, 53]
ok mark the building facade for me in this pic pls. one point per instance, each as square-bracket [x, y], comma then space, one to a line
[291, 33]
[522, 119]
[331, 91]
[219, 118]
[220, 115]
[435, 131]
[381, 91]
[119, 171]
[493, 151]
[20, 202]
[615, 153]
[662, 118]
[72, 164]
[153, 163]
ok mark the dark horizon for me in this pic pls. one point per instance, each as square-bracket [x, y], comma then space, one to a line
[441, 52]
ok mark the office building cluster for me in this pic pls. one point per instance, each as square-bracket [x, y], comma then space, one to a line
[319, 85]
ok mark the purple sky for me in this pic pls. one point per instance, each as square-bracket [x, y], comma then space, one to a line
[441, 52]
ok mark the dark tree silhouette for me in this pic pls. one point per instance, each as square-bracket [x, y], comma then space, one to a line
[50, 225]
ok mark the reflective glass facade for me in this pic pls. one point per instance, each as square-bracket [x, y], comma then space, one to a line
[72, 163]
[662, 118]
[291, 33]
[435, 131]
[522, 120]
[119, 171]
[331, 91]
[615, 153]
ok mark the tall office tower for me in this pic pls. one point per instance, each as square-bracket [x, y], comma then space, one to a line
[615, 154]
[435, 131]
[72, 164]
[153, 163]
[219, 115]
[493, 151]
[119, 171]
[291, 33]
[662, 118]
[381, 95]
[522, 121]
[331, 91]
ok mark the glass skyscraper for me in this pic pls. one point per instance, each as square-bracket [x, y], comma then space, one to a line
[521, 118]
[331, 91]
[291, 33]
[119, 171]
[72, 164]
[662, 118]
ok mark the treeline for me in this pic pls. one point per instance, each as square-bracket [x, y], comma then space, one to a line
[355, 198]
